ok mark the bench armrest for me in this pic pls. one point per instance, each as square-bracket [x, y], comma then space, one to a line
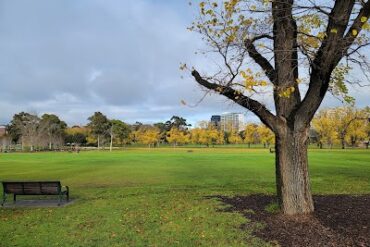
[67, 188]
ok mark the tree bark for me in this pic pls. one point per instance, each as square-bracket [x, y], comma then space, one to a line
[292, 176]
[343, 143]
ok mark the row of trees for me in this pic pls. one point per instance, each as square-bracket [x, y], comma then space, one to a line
[33, 131]
[209, 135]
[49, 132]
[346, 126]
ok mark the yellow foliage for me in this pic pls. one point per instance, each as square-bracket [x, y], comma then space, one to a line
[77, 130]
[250, 133]
[265, 135]
[250, 80]
[234, 138]
[285, 93]
[341, 124]
[206, 136]
[148, 136]
[176, 136]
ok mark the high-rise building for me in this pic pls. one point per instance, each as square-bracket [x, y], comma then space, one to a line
[232, 122]
[216, 121]
[2, 130]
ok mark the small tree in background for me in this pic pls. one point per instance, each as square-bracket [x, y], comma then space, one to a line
[25, 127]
[148, 136]
[265, 135]
[250, 134]
[54, 129]
[99, 125]
[120, 130]
[234, 138]
[177, 137]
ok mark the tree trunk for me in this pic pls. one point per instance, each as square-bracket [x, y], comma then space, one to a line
[111, 143]
[342, 140]
[292, 178]
[98, 142]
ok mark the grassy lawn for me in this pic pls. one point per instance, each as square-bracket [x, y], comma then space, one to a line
[158, 197]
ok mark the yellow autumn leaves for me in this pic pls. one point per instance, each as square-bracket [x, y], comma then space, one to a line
[354, 31]
[250, 80]
[341, 125]
[285, 93]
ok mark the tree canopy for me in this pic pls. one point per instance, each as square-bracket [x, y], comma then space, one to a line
[294, 51]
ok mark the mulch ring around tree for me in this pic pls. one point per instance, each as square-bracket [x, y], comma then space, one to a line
[338, 220]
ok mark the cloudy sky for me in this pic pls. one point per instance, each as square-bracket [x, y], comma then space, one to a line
[119, 57]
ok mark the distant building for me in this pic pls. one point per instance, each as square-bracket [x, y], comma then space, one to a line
[2, 130]
[232, 122]
[216, 121]
[4, 138]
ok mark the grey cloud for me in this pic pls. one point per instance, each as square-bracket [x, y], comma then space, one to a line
[119, 57]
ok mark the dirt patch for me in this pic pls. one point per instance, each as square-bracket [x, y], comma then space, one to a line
[338, 220]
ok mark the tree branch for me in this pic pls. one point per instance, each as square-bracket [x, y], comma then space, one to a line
[332, 50]
[256, 107]
[259, 59]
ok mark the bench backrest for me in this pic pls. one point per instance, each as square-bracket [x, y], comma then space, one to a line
[32, 188]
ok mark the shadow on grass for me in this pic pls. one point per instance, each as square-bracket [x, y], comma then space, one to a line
[338, 220]
[50, 203]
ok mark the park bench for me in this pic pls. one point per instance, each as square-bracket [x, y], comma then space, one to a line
[34, 188]
[272, 150]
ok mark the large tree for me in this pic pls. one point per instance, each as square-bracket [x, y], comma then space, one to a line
[25, 128]
[290, 42]
[99, 125]
[119, 130]
[53, 128]
[177, 122]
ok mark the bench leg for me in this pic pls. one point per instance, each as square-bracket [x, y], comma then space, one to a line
[14, 198]
[4, 199]
[68, 196]
[60, 199]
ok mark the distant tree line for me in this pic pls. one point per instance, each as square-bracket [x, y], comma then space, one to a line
[345, 126]
[33, 132]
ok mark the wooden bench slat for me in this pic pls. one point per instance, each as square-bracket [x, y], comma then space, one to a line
[33, 188]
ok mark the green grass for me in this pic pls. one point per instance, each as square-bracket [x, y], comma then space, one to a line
[158, 197]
